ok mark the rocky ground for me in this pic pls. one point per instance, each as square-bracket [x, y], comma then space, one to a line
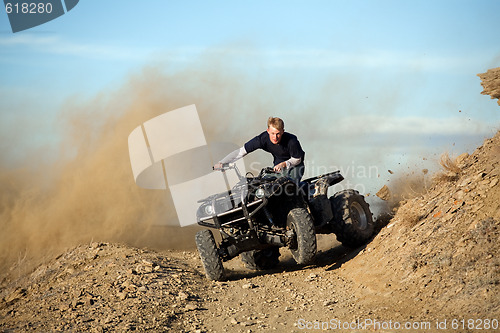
[103, 287]
[434, 267]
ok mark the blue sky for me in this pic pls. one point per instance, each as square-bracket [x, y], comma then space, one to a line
[406, 67]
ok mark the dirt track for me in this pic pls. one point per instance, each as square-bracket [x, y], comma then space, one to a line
[106, 287]
[436, 265]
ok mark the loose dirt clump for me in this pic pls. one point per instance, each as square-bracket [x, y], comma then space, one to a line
[491, 83]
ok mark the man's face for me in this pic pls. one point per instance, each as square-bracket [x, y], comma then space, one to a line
[274, 134]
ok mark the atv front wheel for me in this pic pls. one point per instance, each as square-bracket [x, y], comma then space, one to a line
[353, 223]
[261, 259]
[207, 248]
[303, 247]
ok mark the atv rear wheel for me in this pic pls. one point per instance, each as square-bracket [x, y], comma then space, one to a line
[261, 259]
[303, 247]
[353, 223]
[207, 248]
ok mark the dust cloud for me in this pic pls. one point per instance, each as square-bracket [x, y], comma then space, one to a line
[87, 193]
[84, 190]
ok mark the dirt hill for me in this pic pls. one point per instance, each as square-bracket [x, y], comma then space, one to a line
[435, 265]
[439, 255]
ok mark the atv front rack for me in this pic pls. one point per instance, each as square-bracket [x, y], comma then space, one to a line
[242, 213]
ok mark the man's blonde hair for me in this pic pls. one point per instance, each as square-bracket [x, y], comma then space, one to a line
[276, 123]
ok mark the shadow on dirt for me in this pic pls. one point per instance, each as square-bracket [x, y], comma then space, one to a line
[331, 259]
[331, 256]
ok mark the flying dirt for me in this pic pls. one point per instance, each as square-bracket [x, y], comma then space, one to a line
[434, 266]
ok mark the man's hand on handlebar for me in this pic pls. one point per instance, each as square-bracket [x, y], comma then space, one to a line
[221, 166]
[279, 167]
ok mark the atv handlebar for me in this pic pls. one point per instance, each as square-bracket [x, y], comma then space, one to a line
[267, 171]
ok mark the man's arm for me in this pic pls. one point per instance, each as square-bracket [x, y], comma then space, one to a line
[290, 163]
[295, 150]
[231, 157]
[293, 161]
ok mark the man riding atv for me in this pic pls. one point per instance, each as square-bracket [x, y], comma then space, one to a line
[276, 209]
[285, 148]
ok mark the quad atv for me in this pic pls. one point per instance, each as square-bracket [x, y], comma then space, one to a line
[263, 213]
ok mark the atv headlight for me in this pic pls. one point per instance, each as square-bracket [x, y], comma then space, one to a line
[209, 210]
[260, 193]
